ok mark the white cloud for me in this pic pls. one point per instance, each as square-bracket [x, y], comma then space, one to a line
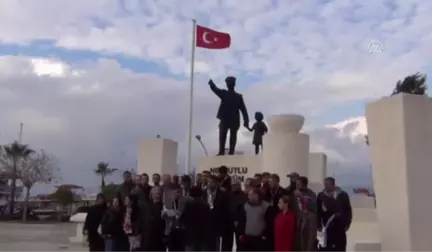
[321, 43]
[48, 67]
[307, 56]
[354, 128]
[83, 127]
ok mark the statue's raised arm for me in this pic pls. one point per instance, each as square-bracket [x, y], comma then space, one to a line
[215, 89]
[230, 107]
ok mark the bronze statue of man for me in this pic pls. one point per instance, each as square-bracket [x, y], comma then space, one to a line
[231, 105]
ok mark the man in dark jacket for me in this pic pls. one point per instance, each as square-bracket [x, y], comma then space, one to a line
[126, 187]
[142, 188]
[144, 223]
[196, 222]
[293, 177]
[333, 195]
[272, 196]
[218, 201]
[237, 200]
[302, 185]
[92, 222]
[185, 184]
[225, 178]
[156, 179]
[157, 239]
[265, 182]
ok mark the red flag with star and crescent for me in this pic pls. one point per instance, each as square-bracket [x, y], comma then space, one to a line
[211, 39]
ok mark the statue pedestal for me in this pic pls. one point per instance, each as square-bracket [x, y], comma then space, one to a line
[240, 166]
[285, 149]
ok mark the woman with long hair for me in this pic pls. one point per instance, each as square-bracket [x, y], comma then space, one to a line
[112, 228]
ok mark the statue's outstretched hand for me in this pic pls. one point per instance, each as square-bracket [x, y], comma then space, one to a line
[211, 82]
[246, 125]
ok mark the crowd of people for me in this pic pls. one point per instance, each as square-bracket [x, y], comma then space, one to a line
[215, 212]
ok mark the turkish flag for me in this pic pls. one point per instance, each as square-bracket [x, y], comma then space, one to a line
[211, 39]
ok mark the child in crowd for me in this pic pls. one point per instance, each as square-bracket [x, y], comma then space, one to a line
[285, 226]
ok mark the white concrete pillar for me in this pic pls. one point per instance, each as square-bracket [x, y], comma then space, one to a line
[317, 167]
[157, 155]
[285, 149]
[400, 135]
[317, 170]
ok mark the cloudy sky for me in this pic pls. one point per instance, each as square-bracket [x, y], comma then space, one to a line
[90, 78]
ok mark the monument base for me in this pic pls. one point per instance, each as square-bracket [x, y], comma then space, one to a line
[240, 167]
[285, 153]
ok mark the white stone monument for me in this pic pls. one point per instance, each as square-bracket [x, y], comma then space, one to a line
[285, 149]
[400, 135]
[239, 166]
[317, 170]
[157, 155]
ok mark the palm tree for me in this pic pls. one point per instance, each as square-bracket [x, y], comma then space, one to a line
[102, 170]
[412, 84]
[15, 152]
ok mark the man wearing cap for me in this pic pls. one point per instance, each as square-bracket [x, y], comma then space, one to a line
[231, 105]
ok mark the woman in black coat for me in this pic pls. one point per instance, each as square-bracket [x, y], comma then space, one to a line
[131, 225]
[92, 222]
[112, 228]
[334, 228]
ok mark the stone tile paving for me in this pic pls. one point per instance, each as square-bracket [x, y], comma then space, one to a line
[38, 237]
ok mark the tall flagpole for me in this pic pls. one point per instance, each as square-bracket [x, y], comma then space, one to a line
[192, 66]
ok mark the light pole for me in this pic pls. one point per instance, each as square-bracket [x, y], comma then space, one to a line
[198, 137]
[20, 132]
[370, 170]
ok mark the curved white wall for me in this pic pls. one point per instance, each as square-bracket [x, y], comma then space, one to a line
[286, 150]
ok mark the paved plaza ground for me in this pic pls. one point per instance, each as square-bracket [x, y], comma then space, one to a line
[38, 237]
